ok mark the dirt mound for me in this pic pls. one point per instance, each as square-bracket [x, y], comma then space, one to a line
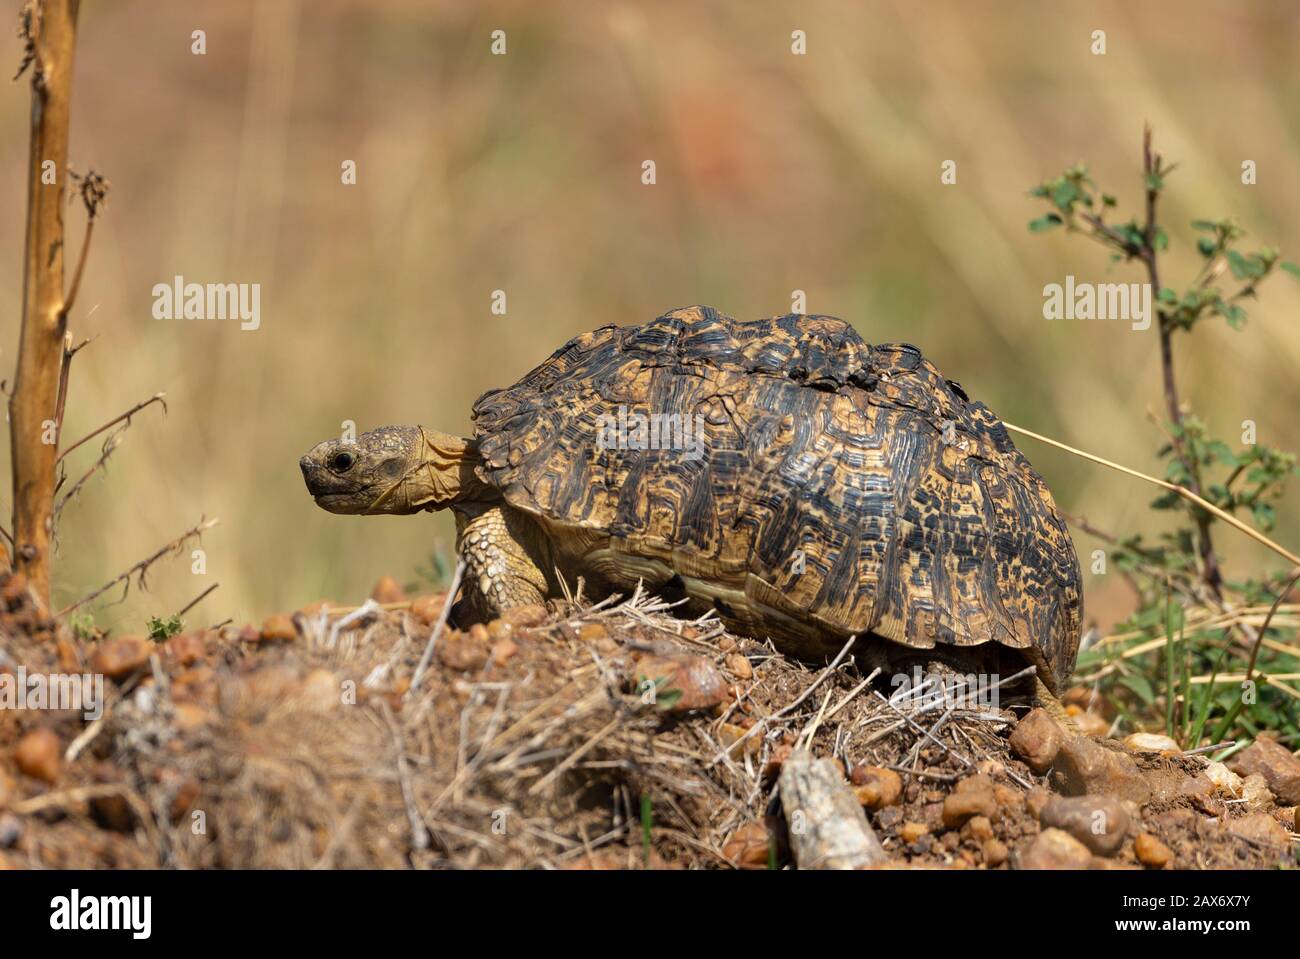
[612, 736]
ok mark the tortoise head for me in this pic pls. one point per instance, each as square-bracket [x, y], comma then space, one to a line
[393, 469]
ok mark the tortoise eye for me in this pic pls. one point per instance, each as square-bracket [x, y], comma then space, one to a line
[342, 462]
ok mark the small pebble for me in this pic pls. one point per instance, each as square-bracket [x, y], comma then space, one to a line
[38, 755]
[1151, 852]
[910, 832]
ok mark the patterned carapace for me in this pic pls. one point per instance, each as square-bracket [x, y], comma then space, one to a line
[834, 488]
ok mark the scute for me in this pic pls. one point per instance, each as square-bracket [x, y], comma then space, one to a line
[834, 487]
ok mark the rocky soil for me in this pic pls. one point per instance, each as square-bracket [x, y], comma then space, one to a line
[606, 736]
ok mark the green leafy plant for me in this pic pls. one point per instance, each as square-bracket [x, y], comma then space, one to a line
[83, 626]
[163, 629]
[1193, 626]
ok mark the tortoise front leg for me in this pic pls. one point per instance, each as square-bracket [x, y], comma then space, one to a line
[504, 560]
[1055, 708]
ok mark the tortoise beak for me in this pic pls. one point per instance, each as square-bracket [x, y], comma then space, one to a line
[320, 481]
[311, 474]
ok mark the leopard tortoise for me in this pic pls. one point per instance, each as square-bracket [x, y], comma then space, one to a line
[804, 484]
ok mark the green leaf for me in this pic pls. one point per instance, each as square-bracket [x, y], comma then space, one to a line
[1291, 268]
[1265, 515]
[1234, 314]
[1166, 501]
[1132, 235]
[1221, 452]
[1065, 194]
[1148, 617]
[1044, 223]
[667, 698]
[1140, 687]
[1208, 225]
[1206, 246]
[163, 629]
[1107, 199]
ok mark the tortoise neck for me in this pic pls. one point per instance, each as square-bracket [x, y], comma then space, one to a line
[444, 473]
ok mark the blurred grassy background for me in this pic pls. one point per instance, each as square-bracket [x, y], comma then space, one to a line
[522, 173]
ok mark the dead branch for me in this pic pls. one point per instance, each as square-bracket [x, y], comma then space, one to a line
[65, 367]
[196, 600]
[49, 35]
[156, 398]
[141, 568]
[29, 27]
[69, 351]
[827, 827]
[110, 446]
[93, 190]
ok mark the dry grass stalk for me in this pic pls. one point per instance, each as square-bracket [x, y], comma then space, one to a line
[1182, 491]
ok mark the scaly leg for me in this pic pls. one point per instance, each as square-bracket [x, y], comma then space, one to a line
[1055, 708]
[504, 559]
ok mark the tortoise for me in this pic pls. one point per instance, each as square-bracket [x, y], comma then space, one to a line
[807, 486]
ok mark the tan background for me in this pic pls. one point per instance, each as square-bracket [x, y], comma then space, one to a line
[521, 172]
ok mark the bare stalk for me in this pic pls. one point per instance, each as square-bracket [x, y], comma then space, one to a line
[49, 33]
[1205, 544]
[196, 600]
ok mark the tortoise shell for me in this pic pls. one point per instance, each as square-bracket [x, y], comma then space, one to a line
[810, 486]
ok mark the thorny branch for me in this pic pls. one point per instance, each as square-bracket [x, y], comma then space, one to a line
[141, 569]
[110, 446]
[156, 398]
